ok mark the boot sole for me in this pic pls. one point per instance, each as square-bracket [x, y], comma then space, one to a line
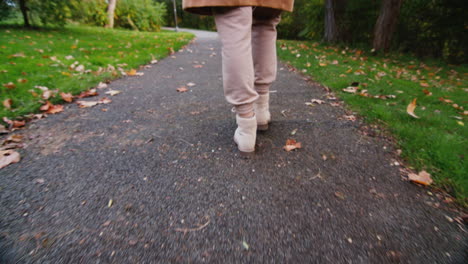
[262, 127]
[247, 155]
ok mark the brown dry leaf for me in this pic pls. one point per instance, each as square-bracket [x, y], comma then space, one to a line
[46, 94]
[45, 106]
[7, 103]
[83, 104]
[9, 85]
[53, 109]
[423, 178]
[91, 92]
[22, 80]
[198, 66]
[448, 101]
[291, 144]
[411, 107]
[68, 97]
[17, 123]
[8, 157]
[3, 130]
[182, 89]
[171, 50]
[102, 85]
[427, 92]
[340, 195]
[13, 138]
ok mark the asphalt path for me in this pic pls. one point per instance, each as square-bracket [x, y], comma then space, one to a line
[156, 178]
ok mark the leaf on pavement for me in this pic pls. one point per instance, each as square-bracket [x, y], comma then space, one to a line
[68, 97]
[291, 144]
[104, 100]
[317, 101]
[411, 107]
[8, 157]
[182, 89]
[132, 72]
[91, 92]
[53, 109]
[423, 178]
[83, 104]
[112, 92]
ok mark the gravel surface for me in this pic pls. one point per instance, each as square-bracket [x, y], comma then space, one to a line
[157, 179]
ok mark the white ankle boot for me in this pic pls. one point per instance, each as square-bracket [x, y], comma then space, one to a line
[262, 111]
[245, 135]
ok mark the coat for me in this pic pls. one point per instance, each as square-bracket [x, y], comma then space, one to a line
[203, 7]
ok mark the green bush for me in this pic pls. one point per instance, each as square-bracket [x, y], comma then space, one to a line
[145, 15]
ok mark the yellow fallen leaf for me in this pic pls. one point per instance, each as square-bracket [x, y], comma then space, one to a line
[132, 72]
[460, 123]
[110, 203]
[422, 178]
[411, 107]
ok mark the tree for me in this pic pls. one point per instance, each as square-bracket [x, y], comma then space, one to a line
[386, 24]
[24, 10]
[331, 30]
[110, 13]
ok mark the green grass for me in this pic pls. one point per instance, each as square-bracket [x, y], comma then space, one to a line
[31, 54]
[437, 141]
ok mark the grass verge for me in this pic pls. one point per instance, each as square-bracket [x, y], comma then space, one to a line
[52, 58]
[386, 85]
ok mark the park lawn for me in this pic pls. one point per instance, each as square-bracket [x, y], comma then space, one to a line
[43, 57]
[437, 140]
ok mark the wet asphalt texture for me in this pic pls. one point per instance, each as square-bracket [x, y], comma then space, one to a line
[181, 194]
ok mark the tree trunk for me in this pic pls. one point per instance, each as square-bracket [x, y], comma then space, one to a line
[110, 13]
[24, 11]
[386, 24]
[331, 31]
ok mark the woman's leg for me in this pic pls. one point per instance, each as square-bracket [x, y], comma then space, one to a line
[235, 30]
[264, 34]
[234, 27]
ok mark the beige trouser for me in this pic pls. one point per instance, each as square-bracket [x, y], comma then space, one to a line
[248, 36]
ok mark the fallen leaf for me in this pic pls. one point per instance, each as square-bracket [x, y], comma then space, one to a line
[22, 80]
[291, 144]
[46, 94]
[411, 107]
[112, 92]
[83, 104]
[294, 132]
[340, 195]
[424, 84]
[245, 245]
[350, 89]
[53, 109]
[109, 204]
[17, 123]
[8, 157]
[427, 92]
[45, 106]
[68, 97]
[104, 100]
[182, 89]
[423, 178]
[9, 85]
[350, 117]
[198, 66]
[7, 103]
[91, 92]
[190, 84]
[317, 101]
[132, 72]
[101, 85]
[460, 123]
